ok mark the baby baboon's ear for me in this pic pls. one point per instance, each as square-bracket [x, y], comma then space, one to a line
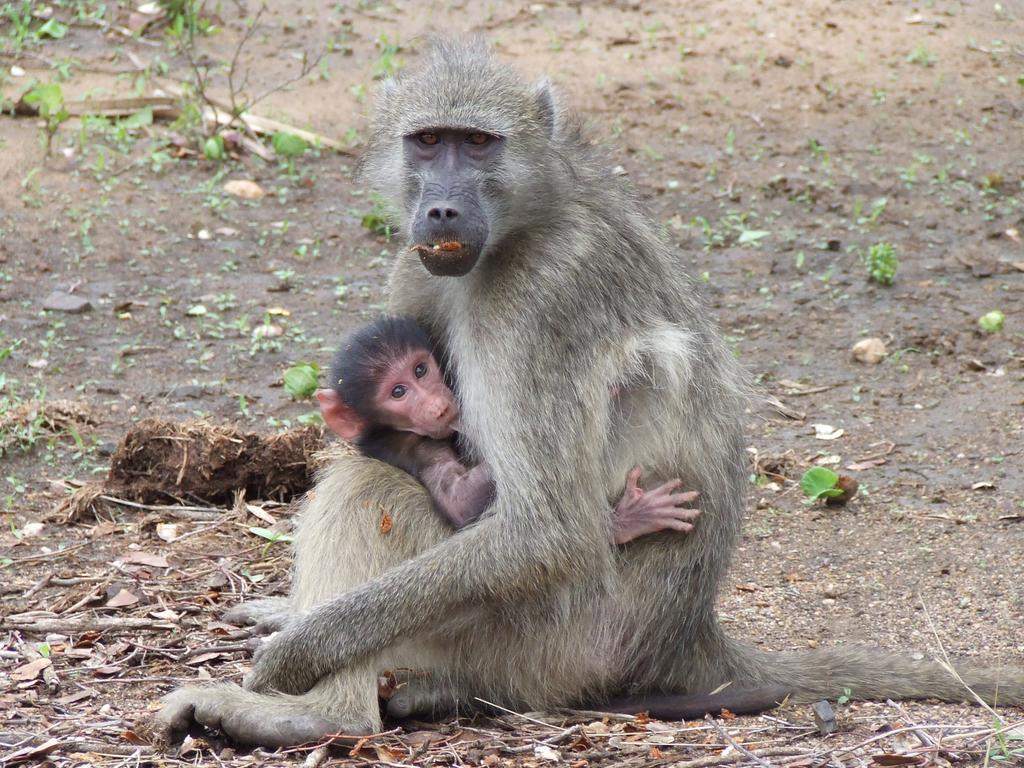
[340, 417]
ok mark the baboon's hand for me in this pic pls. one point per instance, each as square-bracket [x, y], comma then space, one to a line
[285, 663]
[640, 512]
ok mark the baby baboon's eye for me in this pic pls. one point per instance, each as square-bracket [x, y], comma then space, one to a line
[398, 392]
[420, 370]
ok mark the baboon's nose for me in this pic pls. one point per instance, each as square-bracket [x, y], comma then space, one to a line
[443, 212]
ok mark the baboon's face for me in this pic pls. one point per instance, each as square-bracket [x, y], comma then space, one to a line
[448, 224]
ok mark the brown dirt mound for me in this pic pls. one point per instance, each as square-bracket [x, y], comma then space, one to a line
[159, 460]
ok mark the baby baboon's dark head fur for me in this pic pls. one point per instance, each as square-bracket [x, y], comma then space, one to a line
[364, 355]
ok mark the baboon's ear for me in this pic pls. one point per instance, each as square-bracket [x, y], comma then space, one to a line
[386, 90]
[547, 110]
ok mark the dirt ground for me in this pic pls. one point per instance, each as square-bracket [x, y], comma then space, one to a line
[774, 142]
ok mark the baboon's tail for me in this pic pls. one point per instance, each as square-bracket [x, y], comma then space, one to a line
[870, 673]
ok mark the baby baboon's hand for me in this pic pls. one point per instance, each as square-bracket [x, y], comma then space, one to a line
[640, 512]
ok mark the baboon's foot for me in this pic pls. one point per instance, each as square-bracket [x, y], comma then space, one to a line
[422, 698]
[247, 719]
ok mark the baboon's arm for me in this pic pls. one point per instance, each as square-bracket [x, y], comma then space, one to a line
[544, 440]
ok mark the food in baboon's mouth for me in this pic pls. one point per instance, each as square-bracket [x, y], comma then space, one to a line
[447, 245]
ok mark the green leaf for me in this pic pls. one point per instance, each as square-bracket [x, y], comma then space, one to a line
[48, 96]
[288, 144]
[752, 235]
[301, 381]
[992, 322]
[313, 418]
[143, 117]
[52, 28]
[820, 482]
[213, 148]
[272, 536]
[196, 311]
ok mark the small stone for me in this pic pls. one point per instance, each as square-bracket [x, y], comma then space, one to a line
[244, 188]
[871, 351]
[187, 391]
[58, 301]
[825, 718]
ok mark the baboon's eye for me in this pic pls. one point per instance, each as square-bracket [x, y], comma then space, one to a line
[430, 139]
[420, 370]
[478, 138]
[398, 392]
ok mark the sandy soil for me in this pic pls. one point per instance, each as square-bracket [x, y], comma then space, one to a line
[763, 138]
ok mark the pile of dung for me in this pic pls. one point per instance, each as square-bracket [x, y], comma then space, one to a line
[161, 461]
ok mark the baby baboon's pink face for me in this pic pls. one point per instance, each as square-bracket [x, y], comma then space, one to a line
[412, 397]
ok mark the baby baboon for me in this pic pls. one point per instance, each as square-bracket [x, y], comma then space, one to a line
[389, 395]
[549, 290]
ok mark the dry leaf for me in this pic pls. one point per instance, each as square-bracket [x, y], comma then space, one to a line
[146, 558]
[544, 752]
[387, 684]
[385, 524]
[31, 752]
[31, 670]
[122, 599]
[888, 759]
[167, 531]
[261, 513]
[104, 528]
[208, 656]
[385, 755]
[247, 190]
[860, 466]
[827, 432]
[71, 698]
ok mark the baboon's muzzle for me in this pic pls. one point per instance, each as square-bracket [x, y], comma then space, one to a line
[449, 233]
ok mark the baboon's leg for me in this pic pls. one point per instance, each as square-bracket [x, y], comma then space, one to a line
[362, 518]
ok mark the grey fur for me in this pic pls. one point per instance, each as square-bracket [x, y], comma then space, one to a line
[575, 296]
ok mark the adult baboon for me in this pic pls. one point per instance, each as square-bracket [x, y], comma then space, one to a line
[550, 290]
